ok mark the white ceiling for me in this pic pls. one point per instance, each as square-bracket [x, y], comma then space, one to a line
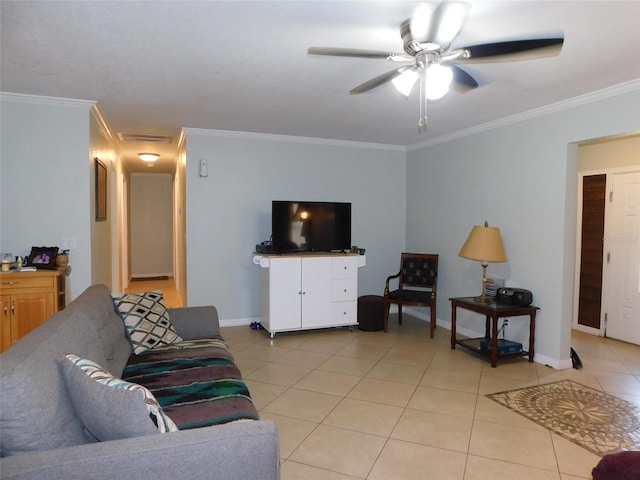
[155, 67]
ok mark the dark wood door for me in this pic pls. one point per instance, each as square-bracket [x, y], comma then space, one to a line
[590, 292]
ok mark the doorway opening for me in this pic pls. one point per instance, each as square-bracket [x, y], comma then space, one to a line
[607, 290]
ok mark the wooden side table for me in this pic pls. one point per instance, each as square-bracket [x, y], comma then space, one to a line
[492, 313]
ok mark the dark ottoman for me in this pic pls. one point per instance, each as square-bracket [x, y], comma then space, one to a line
[371, 313]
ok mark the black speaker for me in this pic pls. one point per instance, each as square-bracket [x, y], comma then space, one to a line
[514, 296]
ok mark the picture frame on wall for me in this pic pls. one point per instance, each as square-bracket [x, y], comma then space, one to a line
[101, 190]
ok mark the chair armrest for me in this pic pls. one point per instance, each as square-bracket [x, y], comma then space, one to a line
[193, 323]
[386, 284]
[247, 450]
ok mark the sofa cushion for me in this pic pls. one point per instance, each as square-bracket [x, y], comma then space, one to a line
[31, 380]
[146, 319]
[196, 383]
[111, 408]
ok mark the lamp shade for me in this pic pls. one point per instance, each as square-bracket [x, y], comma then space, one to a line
[484, 244]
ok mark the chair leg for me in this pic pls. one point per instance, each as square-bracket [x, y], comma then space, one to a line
[432, 327]
[400, 313]
[386, 314]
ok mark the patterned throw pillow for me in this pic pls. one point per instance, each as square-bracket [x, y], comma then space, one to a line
[111, 408]
[146, 319]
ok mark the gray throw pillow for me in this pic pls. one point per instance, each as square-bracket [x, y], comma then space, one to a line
[111, 408]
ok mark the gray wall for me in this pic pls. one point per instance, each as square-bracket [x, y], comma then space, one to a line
[521, 177]
[45, 172]
[229, 212]
[151, 224]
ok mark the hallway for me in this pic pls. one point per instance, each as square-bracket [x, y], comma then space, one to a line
[168, 287]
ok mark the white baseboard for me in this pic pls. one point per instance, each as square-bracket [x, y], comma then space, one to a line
[562, 364]
[238, 322]
[151, 275]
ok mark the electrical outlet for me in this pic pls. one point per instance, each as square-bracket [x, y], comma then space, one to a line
[505, 323]
[68, 244]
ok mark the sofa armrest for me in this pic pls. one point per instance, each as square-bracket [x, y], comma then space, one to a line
[193, 323]
[248, 450]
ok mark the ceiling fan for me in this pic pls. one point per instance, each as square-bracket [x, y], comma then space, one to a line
[431, 61]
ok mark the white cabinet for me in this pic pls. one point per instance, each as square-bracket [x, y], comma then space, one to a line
[309, 291]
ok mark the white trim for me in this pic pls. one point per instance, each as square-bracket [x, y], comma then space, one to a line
[562, 364]
[104, 128]
[609, 172]
[238, 322]
[141, 276]
[291, 139]
[616, 90]
[44, 100]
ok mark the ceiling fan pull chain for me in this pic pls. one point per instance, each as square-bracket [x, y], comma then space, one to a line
[422, 122]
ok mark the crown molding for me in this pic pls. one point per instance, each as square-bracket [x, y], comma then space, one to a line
[104, 127]
[44, 100]
[620, 89]
[292, 139]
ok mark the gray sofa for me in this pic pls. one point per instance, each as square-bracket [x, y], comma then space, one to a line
[41, 437]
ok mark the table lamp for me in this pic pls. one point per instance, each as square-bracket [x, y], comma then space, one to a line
[484, 245]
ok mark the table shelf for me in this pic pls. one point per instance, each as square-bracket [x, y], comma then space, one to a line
[492, 313]
[473, 344]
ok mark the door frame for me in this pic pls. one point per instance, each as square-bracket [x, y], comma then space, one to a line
[609, 172]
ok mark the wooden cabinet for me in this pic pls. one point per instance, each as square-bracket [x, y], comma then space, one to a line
[309, 291]
[28, 299]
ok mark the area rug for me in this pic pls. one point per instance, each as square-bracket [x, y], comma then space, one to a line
[595, 420]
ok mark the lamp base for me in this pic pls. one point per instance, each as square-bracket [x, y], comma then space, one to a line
[485, 299]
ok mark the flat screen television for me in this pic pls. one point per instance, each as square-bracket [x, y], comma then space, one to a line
[310, 226]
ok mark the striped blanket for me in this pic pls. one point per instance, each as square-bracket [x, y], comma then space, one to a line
[196, 383]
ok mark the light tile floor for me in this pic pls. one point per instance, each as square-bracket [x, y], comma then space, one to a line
[400, 406]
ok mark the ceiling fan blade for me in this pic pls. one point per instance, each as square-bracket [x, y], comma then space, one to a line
[354, 52]
[375, 82]
[447, 21]
[462, 81]
[513, 50]
[441, 27]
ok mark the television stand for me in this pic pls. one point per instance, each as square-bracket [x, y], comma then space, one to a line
[309, 291]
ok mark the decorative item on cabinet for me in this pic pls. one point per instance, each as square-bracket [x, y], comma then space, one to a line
[43, 258]
[62, 260]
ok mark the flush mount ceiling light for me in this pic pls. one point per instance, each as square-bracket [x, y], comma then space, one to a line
[149, 157]
[431, 60]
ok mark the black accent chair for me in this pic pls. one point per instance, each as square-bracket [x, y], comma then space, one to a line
[419, 272]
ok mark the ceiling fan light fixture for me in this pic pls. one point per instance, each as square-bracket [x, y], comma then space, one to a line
[148, 157]
[438, 80]
[405, 81]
